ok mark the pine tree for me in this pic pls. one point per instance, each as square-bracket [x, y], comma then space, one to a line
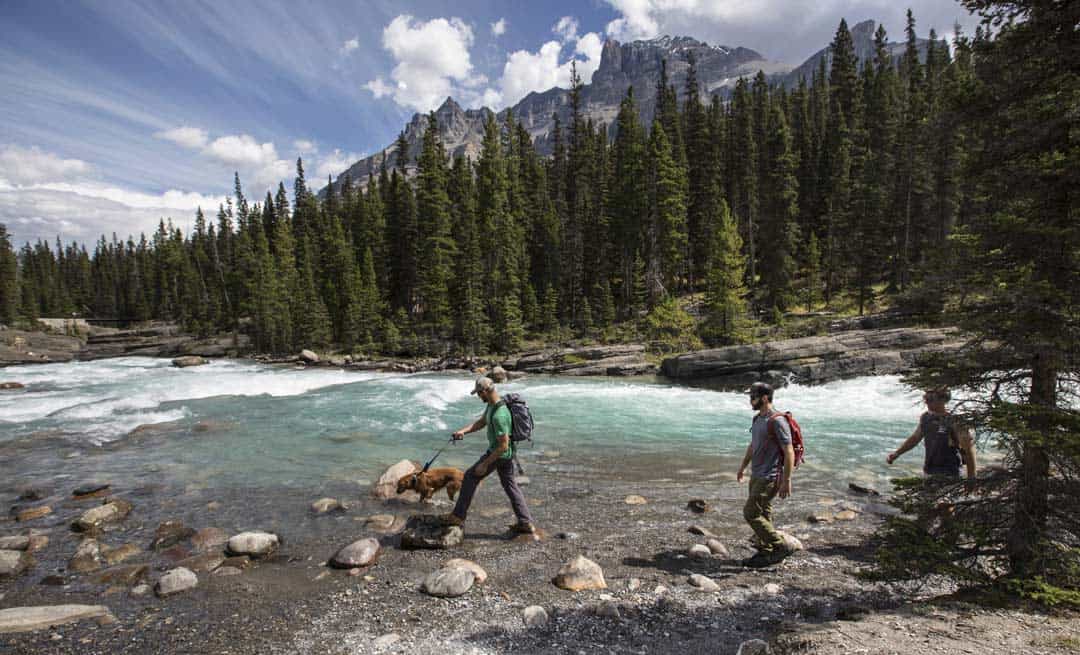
[725, 304]
[743, 180]
[312, 327]
[667, 212]
[433, 220]
[779, 218]
[9, 279]
[695, 128]
[629, 197]
[1016, 262]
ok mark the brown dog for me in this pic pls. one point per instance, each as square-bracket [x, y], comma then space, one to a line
[426, 484]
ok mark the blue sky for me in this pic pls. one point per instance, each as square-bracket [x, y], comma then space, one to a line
[116, 113]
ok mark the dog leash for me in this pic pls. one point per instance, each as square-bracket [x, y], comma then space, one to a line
[432, 460]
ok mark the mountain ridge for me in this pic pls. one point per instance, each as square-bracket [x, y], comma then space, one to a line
[622, 65]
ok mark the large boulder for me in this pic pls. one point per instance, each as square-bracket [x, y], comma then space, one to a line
[176, 581]
[580, 574]
[253, 544]
[308, 357]
[498, 375]
[426, 531]
[386, 486]
[96, 518]
[14, 562]
[817, 358]
[448, 582]
[27, 619]
[357, 554]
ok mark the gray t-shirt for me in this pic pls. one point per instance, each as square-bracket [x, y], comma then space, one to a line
[768, 460]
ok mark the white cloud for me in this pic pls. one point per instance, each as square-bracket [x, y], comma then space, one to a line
[379, 87]
[185, 136]
[305, 146]
[241, 150]
[432, 59]
[566, 28]
[33, 165]
[43, 196]
[526, 71]
[498, 28]
[84, 213]
[637, 20]
[334, 164]
[350, 45]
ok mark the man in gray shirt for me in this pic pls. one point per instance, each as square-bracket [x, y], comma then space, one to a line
[771, 459]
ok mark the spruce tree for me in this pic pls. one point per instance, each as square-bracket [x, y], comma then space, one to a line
[433, 220]
[1015, 261]
[725, 290]
[667, 211]
[779, 218]
[9, 279]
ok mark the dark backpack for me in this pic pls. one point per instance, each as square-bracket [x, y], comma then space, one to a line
[521, 419]
[796, 435]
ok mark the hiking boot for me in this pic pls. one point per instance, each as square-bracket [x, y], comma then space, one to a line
[451, 519]
[765, 558]
[760, 560]
[523, 528]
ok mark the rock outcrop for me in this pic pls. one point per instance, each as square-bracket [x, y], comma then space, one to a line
[814, 359]
[591, 360]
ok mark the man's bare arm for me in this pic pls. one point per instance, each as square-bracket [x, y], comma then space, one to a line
[967, 445]
[478, 424]
[745, 462]
[789, 464]
[502, 444]
[908, 444]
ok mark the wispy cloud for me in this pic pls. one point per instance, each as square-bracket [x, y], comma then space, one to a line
[498, 28]
[43, 196]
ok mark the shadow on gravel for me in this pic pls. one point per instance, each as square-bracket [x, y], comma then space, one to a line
[676, 562]
[664, 625]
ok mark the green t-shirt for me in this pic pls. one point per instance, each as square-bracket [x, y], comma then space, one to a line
[498, 422]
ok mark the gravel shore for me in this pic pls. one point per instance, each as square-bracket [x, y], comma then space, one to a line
[291, 602]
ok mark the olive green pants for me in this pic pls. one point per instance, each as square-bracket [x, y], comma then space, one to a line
[758, 512]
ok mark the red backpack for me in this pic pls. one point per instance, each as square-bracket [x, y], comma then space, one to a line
[796, 434]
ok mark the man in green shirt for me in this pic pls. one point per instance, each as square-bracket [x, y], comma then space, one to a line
[499, 457]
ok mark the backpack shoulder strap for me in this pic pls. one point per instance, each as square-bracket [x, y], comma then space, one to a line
[771, 423]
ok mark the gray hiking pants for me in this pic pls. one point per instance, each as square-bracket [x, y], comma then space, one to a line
[505, 469]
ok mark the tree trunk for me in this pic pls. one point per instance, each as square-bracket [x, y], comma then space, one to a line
[1029, 522]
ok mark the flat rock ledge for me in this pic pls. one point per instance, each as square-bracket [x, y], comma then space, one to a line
[27, 619]
[815, 359]
[620, 360]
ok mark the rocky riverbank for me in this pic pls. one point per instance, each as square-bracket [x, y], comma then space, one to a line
[168, 571]
[813, 360]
